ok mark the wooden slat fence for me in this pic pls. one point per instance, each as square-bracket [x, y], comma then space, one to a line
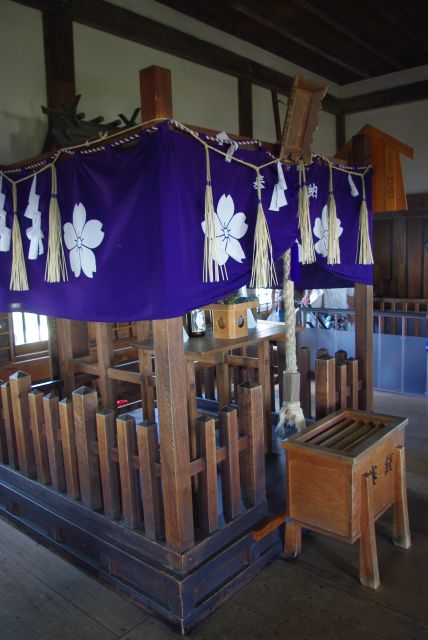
[111, 464]
[337, 385]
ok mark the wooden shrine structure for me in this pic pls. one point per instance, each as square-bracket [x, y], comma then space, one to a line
[163, 508]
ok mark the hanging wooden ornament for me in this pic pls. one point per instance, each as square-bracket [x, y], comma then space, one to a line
[212, 271]
[263, 273]
[333, 247]
[18, 276]
[365, 254]
[305, 227]
[56, 267]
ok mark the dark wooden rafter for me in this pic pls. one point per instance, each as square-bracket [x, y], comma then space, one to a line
[292, 34]
[315, 10]
[270, 32]
[386, 97]
[107, 17]
[104, 16]
[398, 16]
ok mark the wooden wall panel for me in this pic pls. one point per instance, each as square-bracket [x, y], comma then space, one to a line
[400, 245]
[414, 240]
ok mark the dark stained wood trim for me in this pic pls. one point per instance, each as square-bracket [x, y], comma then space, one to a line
[340, 131]
[245, 107]
[276, 117]
[59, 60]
[386, 97]
[107, 17]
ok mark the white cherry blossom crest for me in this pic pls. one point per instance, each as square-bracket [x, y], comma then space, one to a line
[80, 238]
[230, 227]
[321, 232]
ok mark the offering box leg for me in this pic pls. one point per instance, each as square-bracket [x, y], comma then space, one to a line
[292, 540]
[369, 570]
[401, 530]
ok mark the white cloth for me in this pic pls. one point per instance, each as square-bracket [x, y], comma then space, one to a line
[337, 298]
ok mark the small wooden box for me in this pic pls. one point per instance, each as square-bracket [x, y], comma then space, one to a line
[230, 320]
[342, 474]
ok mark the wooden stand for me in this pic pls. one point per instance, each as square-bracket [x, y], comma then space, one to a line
[342, 474]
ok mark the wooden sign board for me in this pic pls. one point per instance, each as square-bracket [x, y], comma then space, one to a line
[302, 119]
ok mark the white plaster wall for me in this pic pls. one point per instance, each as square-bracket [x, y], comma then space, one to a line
[408, 123]
[107, 77]
[107, 69]
[22, 81]
[324, 141]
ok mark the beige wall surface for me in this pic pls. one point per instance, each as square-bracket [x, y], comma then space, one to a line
[107, 77]
[22, 81]
[106, 69]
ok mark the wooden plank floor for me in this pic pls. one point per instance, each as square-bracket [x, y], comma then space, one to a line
[317, 596]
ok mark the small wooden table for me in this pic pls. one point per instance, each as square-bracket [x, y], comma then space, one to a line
[215, 351]
[342, 474]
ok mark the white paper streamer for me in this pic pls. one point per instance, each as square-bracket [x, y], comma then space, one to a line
[278, 199]
[354, 190]
[5, 232]
[34, 233]
[233, 146]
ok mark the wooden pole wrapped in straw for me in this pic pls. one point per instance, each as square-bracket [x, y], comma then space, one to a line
[18, 276]
[333, 248]
[56, 267]
[291, 414]
[263, 273]
[305, 227]
[365, 254]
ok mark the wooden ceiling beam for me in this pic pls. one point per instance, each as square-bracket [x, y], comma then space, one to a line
[310, 7]
[292, 34]
[386, 97]
[129, 25]
[400, 19]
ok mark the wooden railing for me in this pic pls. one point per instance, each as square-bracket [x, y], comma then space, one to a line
[112, 465]
[406, 325]
[337, 385]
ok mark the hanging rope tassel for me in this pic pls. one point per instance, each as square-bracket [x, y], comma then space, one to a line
[365, 254]
[56, 267]
[18, 276]
[212, 270]
[263, 273]
[333, 248]
[291, 414]
[305, 228]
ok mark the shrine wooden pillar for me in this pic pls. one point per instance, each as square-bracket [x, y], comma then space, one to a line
[363, 301]
[156, 102]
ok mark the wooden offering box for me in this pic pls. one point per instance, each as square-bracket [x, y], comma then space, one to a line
[342, 474]
[230, 320]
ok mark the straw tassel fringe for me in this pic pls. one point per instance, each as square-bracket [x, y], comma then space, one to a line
[365, 254]
[305, 228]
[18, 276]
[263, 273]
[212, 271]
[56, 267]
[333, 247]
